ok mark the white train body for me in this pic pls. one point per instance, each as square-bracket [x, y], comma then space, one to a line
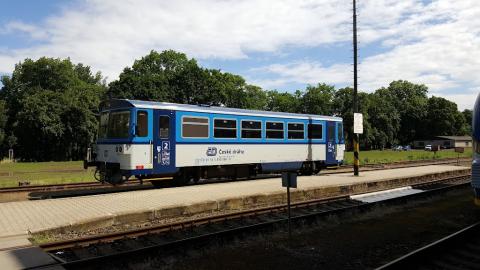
[152, 139]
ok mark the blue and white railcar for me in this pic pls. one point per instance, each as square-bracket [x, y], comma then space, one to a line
[476, 148]
[153, 139]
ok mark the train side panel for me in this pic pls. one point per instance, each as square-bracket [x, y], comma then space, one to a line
[149, 139]
[225, 154]
[476, 148]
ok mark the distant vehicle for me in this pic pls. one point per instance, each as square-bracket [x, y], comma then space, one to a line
[476, 149]
[397, 148]
[428, 147]
[191, 142]
[407, 148]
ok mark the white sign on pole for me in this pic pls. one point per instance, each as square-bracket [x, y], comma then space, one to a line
[358, 123]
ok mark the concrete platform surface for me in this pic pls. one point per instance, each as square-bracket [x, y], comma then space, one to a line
[27, 258]
[14, 241]
[19, 218]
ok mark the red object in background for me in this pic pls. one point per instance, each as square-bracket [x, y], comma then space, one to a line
[139, 167]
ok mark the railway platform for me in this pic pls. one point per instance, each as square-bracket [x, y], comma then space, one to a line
[20, 219]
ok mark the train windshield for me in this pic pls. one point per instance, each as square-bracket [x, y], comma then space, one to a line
[114, 125]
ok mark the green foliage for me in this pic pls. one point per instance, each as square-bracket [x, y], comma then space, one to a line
[384, 119]
[48, 107]
[52, 105]
[468, 116]
[283, 102]
[318, 99]
[411, 102]
[172, 77]
[444, 117]
[3, 120]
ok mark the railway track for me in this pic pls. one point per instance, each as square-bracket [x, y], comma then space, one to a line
[94, 188]
[459, 250]
[62, 190]
[89, 251]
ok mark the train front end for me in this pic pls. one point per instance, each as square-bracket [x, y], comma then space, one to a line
[123, 147]
[476, 149]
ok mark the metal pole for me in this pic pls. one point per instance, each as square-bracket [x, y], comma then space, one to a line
[288, 210]
[355, 83]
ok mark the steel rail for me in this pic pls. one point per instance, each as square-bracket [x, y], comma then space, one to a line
[435, 255]
[334, 205]
[50, 187]
[98, 188]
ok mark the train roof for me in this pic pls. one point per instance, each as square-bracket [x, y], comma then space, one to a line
[128, 103]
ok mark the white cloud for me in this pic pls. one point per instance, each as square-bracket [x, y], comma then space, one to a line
[464, 101]
[435, 43]
[109, 34]
[304, 72]
[32, 31]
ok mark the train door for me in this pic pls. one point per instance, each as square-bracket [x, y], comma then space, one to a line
[331, 142]
[340, 142]
[164, 142]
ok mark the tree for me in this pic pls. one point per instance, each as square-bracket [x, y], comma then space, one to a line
[283, 102]
[52, 105]
[171, 76]
[468, 115]
[411, 102]
[442, 117]
[318, 99]
[384, 119]
[3, 121]
[255, 98]
[153, 77]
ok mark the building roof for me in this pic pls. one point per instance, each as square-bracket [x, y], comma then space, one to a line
[455, 138]
[125, 103]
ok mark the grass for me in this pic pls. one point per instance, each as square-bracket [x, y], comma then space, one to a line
[388, 156]
[43, 173]
[42, 238]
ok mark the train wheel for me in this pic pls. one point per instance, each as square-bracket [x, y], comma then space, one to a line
[181, 179]
[161, 183]
[196, 178]
[140, 178]
[307, 168]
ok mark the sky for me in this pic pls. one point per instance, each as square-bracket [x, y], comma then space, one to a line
[276, 44]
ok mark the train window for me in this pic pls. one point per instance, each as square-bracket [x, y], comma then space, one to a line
[274, 130]
[295, 131]
[331, 132]
[195, 127]
[164, 127]
[340, 131]
[225, 128]
[103, 125]
[142, 124]
[251, 129]
[315, 131]
[118, 124]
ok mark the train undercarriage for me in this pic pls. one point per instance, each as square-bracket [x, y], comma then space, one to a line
[112, 174]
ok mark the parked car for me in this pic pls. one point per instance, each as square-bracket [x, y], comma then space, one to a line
[397, 148]
[428, 147]
[407, 148]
